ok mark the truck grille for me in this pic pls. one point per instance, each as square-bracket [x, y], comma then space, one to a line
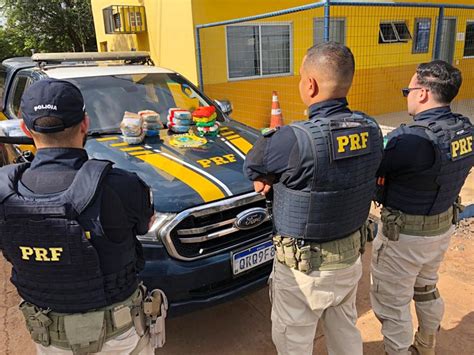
[210, 229]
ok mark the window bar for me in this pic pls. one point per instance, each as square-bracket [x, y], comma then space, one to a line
[260, 59]
[439, 33]
[327, 20]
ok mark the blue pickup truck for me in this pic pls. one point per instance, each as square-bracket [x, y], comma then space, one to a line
[211, 238]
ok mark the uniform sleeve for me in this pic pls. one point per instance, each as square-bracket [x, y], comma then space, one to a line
[271, 154]
[407, 154]
[144, 207]
[135, 198]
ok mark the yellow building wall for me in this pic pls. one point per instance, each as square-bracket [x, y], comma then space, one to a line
[169, 37]
[381, 69]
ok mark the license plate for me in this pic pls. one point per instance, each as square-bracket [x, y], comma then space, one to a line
[250, 258]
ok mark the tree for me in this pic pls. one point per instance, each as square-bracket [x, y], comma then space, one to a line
[10, 45]
[51, 25]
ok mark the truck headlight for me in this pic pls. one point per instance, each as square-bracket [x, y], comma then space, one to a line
[153, 233]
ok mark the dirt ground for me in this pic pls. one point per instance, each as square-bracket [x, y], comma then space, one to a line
[243, 326]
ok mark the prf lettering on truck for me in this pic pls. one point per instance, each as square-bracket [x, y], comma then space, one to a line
[225, 159]
[348, 143]
[461, 147]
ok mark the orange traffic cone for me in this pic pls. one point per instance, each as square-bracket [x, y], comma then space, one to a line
[276, 119]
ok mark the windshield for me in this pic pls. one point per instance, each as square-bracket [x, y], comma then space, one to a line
[108, 97]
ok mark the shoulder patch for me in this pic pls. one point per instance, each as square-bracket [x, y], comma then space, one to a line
[350, 142]
[462, 145]
[268, 132]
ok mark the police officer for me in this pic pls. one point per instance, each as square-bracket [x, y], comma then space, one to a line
[424, 167]
[322, 173]
[68, 226]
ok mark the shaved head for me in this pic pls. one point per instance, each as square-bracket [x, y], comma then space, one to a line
[331, 65]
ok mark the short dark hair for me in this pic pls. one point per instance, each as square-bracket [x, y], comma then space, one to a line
[441, 78]
[338, 57]
[55, 137]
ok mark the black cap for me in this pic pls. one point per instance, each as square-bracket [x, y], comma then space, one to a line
[52, 98]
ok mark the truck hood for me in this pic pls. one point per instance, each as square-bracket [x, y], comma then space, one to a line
[181, 178]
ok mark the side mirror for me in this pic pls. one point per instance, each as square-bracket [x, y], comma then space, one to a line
[11, 133]
[225, 106]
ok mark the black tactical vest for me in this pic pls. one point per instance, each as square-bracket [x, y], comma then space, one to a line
[344, 154]
[434, 190]
[55, 243]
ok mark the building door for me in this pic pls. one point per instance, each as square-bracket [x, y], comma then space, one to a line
[448, 40]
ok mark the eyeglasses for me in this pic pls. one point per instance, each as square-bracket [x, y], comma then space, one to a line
[406, 91]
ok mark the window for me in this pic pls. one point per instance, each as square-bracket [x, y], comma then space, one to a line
[337, 30]
[107, 97]
[21, 83]
[395, 31]
[117, 22]
[469, 40]
[124, 19]
[258, 50]
[421, 43]
[136, 19]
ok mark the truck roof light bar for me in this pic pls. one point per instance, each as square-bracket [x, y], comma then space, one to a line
[89, 56]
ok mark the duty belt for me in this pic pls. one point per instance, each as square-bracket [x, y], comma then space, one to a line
[80, 332]
[396, 222]
[307, 256]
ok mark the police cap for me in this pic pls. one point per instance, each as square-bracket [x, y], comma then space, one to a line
[52, 98]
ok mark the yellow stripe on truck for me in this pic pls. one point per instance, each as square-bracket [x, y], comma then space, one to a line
[106, 139]
[205, 188]
[242, 144]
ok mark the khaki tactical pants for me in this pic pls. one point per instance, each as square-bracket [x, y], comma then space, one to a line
[300, 300]
[397, 268]
[120, 345]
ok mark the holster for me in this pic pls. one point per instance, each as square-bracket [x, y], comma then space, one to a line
[155, 307]
[137, 313]
[458, 208]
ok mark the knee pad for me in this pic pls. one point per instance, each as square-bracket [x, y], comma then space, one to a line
[426, 293]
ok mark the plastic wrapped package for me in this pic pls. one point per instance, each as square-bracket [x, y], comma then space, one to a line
[149, 116]
[179, 121]
[131, 125]
[134, 140]
[204, 114]
[210, 131]
[178, 128]
[132, 128]
[151, 122]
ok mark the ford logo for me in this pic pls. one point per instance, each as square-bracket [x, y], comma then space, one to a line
[251, 218]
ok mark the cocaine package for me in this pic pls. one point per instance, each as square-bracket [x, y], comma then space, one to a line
[205, 119]
[151, 122]
[179, 121]
[132, 128]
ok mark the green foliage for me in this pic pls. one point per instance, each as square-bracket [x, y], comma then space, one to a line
[48, 26]
[11, 45]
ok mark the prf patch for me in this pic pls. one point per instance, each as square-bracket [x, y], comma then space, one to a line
[349, 143]
[461, 147]
[40, 254]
